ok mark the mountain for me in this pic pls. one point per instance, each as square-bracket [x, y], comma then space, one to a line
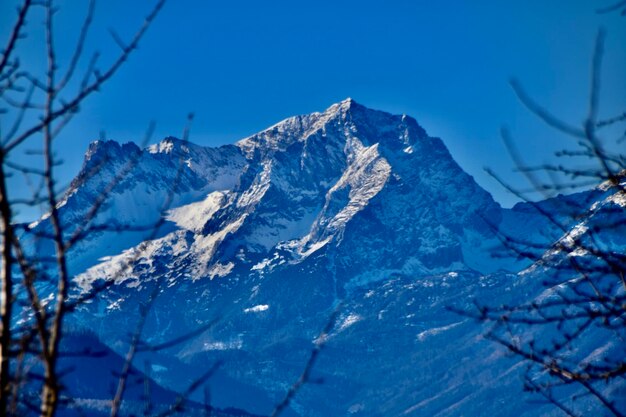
[350, 210]
[310, 184]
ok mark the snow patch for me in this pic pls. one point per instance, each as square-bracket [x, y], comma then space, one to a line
[217, 345]
[220, 270]
[257, 309]
[165, 146]
[194, 216]
[436, 330]
[351, 319]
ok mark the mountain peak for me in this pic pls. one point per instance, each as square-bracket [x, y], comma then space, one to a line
[100, 150]
[341, 118]
[344, 107]
[346, 104]
[167, 145]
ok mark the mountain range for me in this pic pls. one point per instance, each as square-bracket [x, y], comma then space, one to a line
[351, 219]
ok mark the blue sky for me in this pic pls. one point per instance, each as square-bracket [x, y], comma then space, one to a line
[241, 66]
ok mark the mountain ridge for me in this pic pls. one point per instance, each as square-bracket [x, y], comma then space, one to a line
[333, 165]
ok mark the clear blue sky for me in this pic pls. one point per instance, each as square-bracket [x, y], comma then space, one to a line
[241, 66]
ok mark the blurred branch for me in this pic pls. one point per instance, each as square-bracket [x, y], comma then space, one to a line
[100, 78]
[581, 304]
[613, 7]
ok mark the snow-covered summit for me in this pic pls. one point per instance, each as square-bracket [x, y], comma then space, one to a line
[300, 128]
[349, 183]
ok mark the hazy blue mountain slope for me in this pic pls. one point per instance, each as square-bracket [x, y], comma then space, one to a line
[90, 374]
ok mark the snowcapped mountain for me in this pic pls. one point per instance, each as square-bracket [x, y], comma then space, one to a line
[350, 208]
[371, 191]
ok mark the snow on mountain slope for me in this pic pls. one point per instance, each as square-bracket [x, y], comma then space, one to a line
[269, 235]
[357, 182]
[131, 189]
